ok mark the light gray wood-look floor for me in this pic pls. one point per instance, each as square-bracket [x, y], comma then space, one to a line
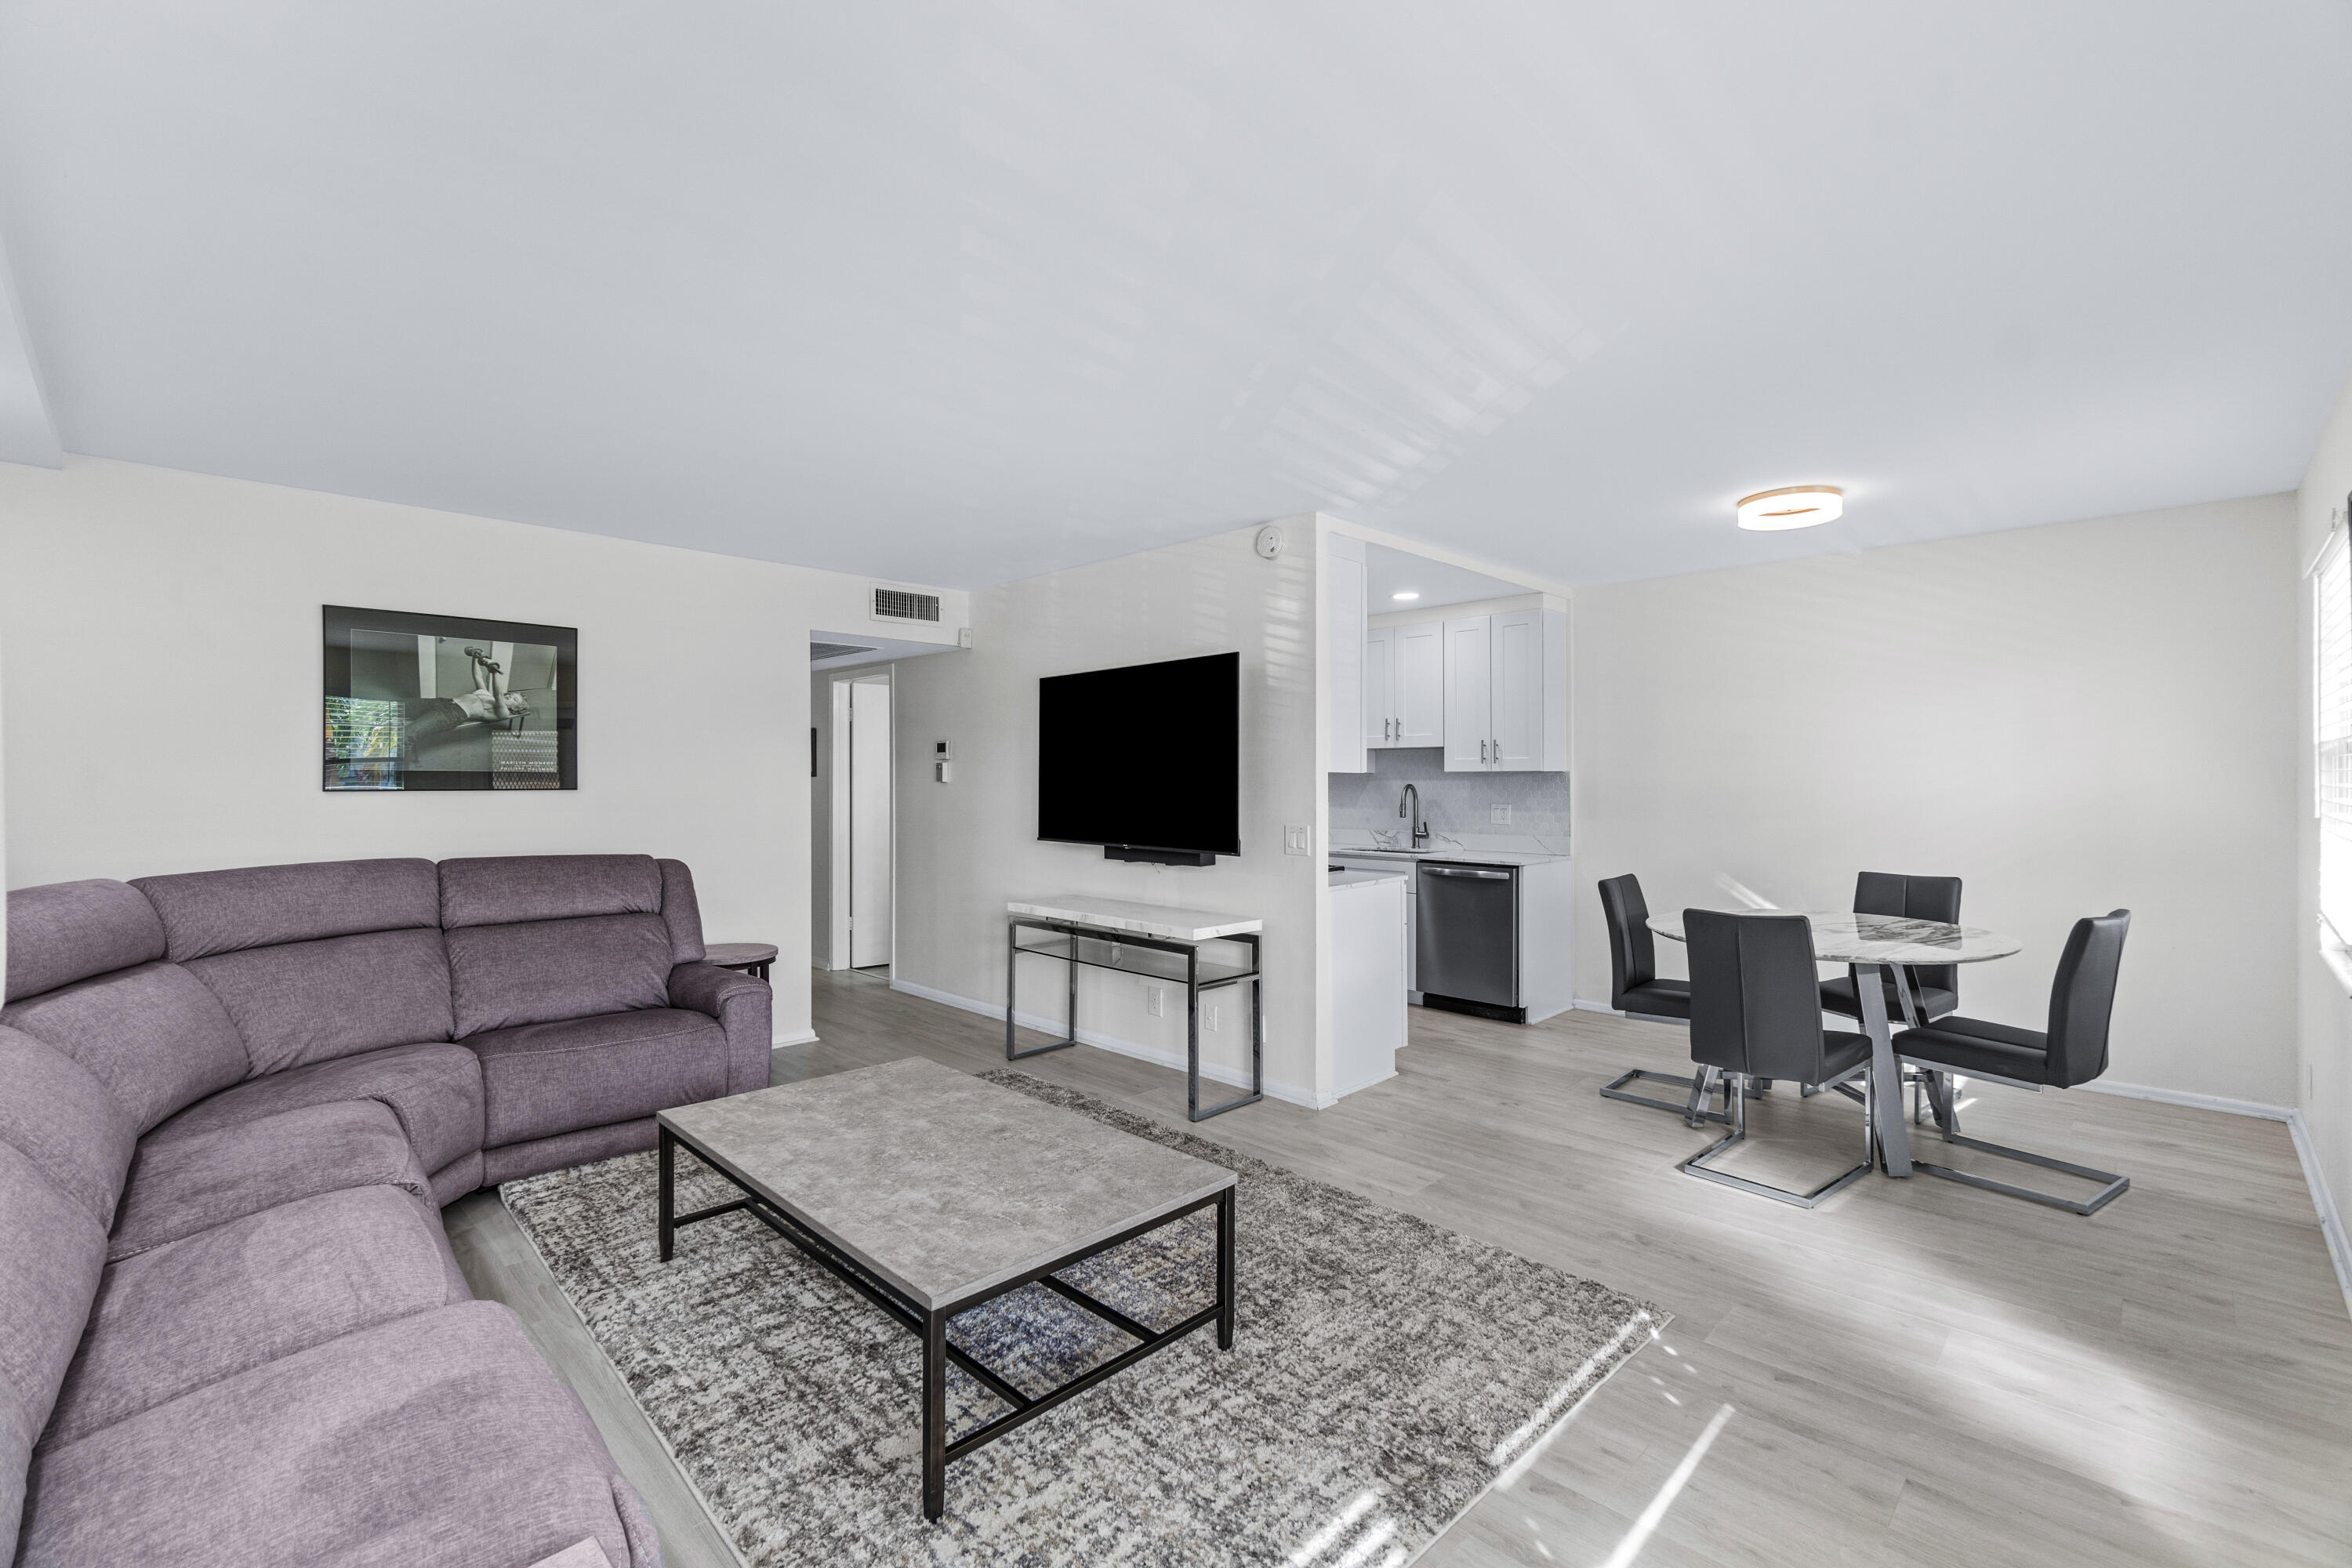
[1916, 1372]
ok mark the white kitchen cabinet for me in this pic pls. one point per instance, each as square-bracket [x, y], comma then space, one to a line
[1404, 685]
[1346, 648]
[1507, 692]
[1420, 684]
[1380, 688]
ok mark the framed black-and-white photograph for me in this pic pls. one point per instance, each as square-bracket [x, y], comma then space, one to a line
[447, 702]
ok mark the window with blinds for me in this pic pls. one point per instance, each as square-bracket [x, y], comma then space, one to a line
[2331, 589]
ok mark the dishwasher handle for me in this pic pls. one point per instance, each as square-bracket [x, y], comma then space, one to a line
[1466, 871]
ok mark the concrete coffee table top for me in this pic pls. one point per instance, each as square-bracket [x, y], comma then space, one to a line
[935, 1182]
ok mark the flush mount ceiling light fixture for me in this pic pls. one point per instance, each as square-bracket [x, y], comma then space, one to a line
[1797, 506]
[1408, 593]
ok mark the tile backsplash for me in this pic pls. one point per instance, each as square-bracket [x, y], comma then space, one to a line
[1455, 806]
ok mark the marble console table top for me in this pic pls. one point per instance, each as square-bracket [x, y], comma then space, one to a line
[1841, 937]
[937, 1182]
[1143, 920]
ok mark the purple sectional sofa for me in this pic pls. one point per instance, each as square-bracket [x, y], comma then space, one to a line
[231, 1106]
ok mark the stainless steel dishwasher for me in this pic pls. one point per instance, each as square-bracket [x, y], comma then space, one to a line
[1466, 942]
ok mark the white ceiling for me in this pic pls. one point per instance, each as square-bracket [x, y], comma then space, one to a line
[1387, 572]
[954, 294]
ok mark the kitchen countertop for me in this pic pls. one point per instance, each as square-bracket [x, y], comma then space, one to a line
[1363, 879]
[1460, 857]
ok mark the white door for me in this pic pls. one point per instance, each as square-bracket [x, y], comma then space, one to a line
[1420, 684]
[1518, 680]
[869, 823]
[1379, 686]
[1350, 718]
[1469, 694]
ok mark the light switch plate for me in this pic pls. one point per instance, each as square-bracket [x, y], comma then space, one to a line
[1297, 840]
[1499, 814]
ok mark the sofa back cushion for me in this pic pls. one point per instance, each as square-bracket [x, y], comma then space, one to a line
[313, 961]
[206, 912]
[542, 971]
[536, 938]
[55, 1114]
[152, 1035]
[509, 889]
[56, 1251]
[682, 913]
[311, 1001]
[67, 931]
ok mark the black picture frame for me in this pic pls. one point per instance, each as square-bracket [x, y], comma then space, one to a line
[389, 726]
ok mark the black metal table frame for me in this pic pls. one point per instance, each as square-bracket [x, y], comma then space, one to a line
[930, 1324]
[1193, 984]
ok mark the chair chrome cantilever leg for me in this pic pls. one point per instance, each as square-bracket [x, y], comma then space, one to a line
[1696, 1166]
[1694, 1085]
[1947, 1118]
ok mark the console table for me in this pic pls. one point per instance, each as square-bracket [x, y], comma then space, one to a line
[1150, 941]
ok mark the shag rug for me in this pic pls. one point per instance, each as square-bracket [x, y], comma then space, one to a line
[1384, 1374]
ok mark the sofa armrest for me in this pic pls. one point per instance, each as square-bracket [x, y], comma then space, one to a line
[745, 1009]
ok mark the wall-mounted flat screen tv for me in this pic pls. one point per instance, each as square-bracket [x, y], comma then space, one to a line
[1143, 760]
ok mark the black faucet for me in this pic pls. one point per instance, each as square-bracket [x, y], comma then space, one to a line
[1409, 804]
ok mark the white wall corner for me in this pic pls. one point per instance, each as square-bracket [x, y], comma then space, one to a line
[795, 1037]
[2331, 1223]
[29, 432]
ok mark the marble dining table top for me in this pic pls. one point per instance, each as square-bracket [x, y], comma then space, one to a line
[1841, 936]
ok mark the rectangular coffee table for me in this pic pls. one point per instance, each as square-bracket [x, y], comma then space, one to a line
[930, 1193]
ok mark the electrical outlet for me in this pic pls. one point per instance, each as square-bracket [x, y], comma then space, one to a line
[1499, 814]
[1153, 1006]
[1209, 1017]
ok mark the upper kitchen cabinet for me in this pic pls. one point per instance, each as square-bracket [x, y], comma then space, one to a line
[1505, 693]
[1404, 685]
[1348, 654]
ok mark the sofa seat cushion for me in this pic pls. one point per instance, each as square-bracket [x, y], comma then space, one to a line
[545, 1078]
[437, 1440]
[435, 1090]
[181, 1185]
[209, 1306]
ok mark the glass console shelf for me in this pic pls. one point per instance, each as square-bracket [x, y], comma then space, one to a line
[1122, 953]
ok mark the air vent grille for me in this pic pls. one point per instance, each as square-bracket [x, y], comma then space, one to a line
[898, 605]
[820, 651]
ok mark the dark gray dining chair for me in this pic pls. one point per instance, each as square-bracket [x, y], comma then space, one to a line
[1934, 988]
[1756, 1014]
[1635, 990]
[2072, 1052]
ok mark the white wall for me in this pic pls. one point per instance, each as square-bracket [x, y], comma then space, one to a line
[820, 719]
[162, 650]
[2323, 1087]
[2072, 719]
[965, 847]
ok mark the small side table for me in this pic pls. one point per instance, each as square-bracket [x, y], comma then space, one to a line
[751, 957]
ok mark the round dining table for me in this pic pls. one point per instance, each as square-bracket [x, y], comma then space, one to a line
[1891, 943]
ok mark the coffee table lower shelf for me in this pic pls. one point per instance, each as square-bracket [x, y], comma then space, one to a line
[929, 1324]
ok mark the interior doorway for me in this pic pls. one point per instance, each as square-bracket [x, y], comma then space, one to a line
[871, 827]
[851, 757]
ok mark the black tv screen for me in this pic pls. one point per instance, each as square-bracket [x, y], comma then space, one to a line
[1145, 757]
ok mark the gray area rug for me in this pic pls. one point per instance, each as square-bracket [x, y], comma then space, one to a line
[1384, 1374]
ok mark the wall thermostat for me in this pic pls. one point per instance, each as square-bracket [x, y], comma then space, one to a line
[942, 761]
[1269, 541]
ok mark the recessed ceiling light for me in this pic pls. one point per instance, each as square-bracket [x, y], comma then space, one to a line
[1798, 506]
[1408, 593]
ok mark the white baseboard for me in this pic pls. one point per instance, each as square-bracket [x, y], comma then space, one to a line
[2331, 1223]
[805, 1037]
[1274, 1089]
